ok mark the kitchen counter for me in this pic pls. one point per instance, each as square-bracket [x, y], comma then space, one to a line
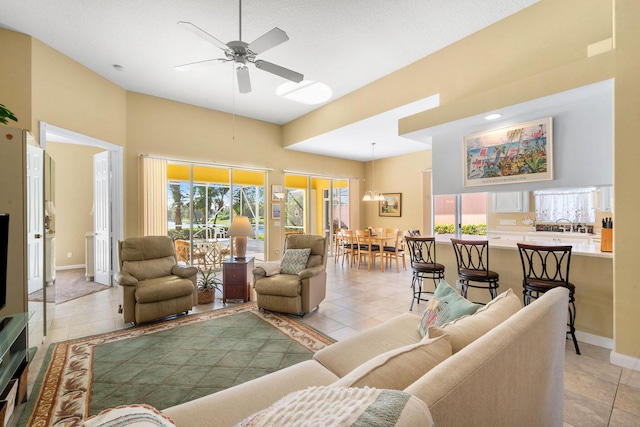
[591, 272]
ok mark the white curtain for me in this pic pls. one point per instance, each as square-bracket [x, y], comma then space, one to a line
[153, 194]
[576, 205]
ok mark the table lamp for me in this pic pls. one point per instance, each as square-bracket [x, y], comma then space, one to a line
[240, 229]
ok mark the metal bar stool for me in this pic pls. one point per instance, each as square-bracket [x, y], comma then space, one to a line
[422, 251]
[472, 257]
[545, 268]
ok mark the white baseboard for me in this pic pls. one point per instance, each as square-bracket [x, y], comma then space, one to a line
[70, 267]
[625, 361]
[594, 340]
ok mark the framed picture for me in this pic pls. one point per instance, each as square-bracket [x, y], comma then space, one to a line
[391, 205]
[518, 153]
[276, 193]
[275, 211]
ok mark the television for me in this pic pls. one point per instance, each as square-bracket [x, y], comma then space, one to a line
[4, 249]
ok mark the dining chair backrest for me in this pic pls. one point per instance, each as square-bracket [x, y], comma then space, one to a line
[390, 232]
[422, 250]
[413, 233]
[549, 263]
[471, 255]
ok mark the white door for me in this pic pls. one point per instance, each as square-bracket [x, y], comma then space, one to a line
[35, 220]
[102, 218]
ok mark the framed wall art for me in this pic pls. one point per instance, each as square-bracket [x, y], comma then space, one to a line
[518, 153]
[276, 193]
[276, 211]
[391, 205]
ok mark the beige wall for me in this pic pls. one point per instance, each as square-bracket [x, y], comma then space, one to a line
[400, 174]
[74, 199]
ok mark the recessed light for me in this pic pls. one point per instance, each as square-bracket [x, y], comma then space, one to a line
[306, 92]
[493, 116]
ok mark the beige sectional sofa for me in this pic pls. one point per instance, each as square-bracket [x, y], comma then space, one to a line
[502, 366]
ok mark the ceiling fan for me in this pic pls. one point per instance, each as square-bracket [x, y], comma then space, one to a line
[241, 53]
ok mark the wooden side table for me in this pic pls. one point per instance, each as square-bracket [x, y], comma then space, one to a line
[237, 275]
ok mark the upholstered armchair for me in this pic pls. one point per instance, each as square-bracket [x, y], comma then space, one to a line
[153, 285]
[297, 284]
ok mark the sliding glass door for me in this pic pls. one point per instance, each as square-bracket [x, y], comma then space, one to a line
[202, 202]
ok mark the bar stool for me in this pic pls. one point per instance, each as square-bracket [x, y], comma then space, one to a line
[472, 257]
[545, 268]
[422, 251]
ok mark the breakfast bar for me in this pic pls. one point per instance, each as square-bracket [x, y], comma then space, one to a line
[591, 272]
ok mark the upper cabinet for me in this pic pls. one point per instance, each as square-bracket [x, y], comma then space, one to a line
[512, 201]
[606, 200]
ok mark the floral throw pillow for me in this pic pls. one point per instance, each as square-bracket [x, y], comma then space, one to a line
[445, 306]
[294, 260]
[436, 314]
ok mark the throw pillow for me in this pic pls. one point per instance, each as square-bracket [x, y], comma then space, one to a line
[450, 306]
[436, 314]
[397, 369]
[467, 329]
[343, 407]
[130, 415]
[294, 260]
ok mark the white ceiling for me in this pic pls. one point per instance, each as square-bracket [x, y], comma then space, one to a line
[343, 44]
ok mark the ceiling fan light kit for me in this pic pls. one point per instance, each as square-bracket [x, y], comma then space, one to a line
[241, 53]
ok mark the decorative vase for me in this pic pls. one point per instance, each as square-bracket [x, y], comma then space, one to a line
[206, 296]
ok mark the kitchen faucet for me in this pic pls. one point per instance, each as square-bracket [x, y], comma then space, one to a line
[567, 220]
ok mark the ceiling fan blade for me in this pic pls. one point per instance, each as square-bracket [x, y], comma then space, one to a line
[244, 83]
[268, 40]
[202, 34]
[198, 64]
[279, 71]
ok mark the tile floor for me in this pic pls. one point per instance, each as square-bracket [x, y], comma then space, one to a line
[596, 392]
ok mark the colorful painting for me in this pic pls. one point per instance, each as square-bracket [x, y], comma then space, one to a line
[518, 153]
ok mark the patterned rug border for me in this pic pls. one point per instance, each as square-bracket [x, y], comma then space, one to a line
[65, 392]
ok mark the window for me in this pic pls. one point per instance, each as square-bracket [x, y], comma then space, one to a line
[460, 214]
[577, 205]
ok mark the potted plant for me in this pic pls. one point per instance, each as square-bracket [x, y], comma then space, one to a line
[6, 114]
[208, 284]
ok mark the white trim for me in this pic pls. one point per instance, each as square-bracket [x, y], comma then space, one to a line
[625, 361]
[70, 267]
[594, 340]
[117, 178]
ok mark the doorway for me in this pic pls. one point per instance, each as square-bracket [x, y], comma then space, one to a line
[111, 207]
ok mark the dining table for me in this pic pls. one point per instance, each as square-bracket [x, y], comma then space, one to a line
[379, 239]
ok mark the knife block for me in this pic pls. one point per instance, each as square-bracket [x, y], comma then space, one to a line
[606, 240]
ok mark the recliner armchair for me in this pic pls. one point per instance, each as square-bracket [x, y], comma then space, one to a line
[153, 284]
[295, 293]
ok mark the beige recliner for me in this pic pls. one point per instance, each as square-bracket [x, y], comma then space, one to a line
[153, 285]
[294, 293]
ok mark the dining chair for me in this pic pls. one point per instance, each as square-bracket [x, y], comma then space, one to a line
[396, 251]
[422, 253]
[472, 258]
[349, 247]
[414, 233]
[366, 248]
[338, 250]
[545, 267]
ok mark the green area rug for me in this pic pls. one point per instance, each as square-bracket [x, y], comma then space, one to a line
[166, 363]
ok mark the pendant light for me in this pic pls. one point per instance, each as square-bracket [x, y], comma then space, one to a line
[372, 195]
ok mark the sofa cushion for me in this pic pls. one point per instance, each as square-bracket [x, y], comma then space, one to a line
[294, 260]
[140, 415]
[285, 285]
[341, 406]
[344, 356]
[163, 289]
[397, 369]
[150, 268]
[467, 329]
